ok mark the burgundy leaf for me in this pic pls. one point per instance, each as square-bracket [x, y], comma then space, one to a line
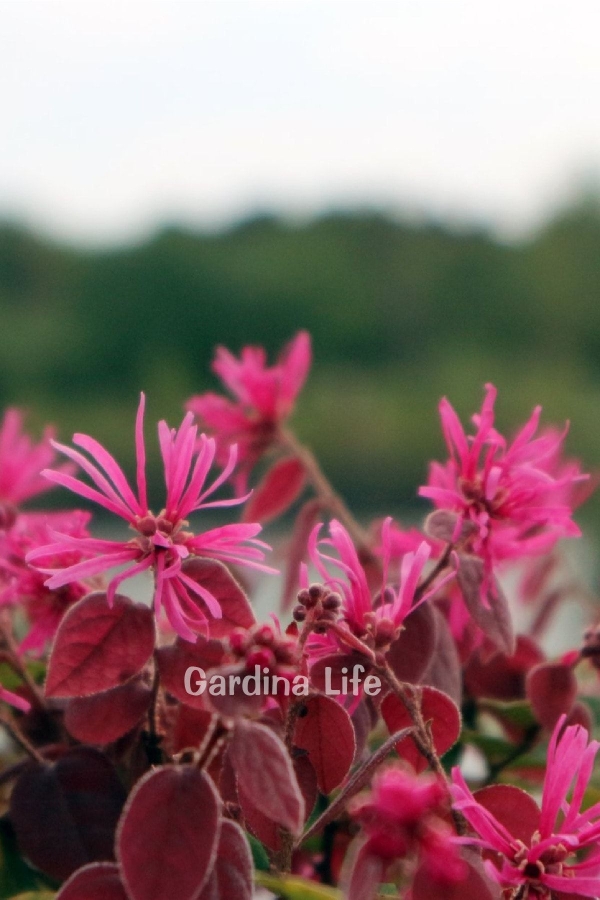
[168, 834]
[363, 725]
[265, 829]
[237, 701]
[103, 718]
[502, 677]
[366, 874]
[218, 580]
[444, 669]
[281, 485]
[514, 808]
[307, 782]
[436, 707]
[305, 522]
[324, 729]
[475, 887]
[232, 876]
[551, 690]
[410, 654]
[65, 813]
[492, 613]
[190, 728]
[264, 770]
[174, 660]
[98, 646]
[580, 715]
[97, 881]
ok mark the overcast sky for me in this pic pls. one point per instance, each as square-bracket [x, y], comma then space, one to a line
[116, 116]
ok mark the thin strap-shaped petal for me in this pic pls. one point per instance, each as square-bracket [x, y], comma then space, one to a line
[140, 455]
[111, 467]
[86, 569]
[204, 461]
[115, 582]
[210, 600]
[90, 493]
[229, 467]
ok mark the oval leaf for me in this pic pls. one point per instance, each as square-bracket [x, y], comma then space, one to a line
[278, 489]
[233, 872]
[105, 717]
[174, 660]
[365, 876]
[491, 612]
[65, 814]
[264, 771]
[444, 669]
[98, 881]
[514, 808]
[411, 652]
[218, 580]
[437, 708]
[98, 647]
[168, 834]
[324, 729]
[551, 690]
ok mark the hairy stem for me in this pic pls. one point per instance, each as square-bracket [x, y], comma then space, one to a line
[325, 491]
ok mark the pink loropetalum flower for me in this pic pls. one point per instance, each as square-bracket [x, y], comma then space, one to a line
[551, 863]
[25, 585]
[21, 463]
[374, 619]
[517, 499]
[264, 398]
[162, 542]
[404, 817]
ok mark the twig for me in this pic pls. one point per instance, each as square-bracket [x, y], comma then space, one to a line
[18, 736]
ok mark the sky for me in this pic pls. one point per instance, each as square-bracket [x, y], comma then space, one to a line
[115, 117]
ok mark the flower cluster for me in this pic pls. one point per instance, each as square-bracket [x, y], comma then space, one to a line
[549, 859]
[162, 541]
[516, 499]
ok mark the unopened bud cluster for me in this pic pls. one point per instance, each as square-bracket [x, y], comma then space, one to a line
[263, 646]
[321, 603]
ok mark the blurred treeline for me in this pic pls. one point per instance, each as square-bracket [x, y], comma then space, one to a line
[400, 314]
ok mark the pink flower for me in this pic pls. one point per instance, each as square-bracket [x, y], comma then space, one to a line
[264, 398]
[376, 618]
[162, 542]
[517, 498]
[26, 585]
[551, 860]
[403, 817]
[21, 462]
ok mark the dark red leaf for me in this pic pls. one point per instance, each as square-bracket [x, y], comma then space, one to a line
[444, 669]
[235, 606]
[475, 887]
[437, 708]
[492, 614]
[65, 813]
[98, 881]
[190, 728]
[580, 715]
[552, 691]
[324, 729]
[307, 782]
[304, 524]
[514, 808]
[366, 874]
[168, 834]
[105, 717]
[281, 485]
[264, 770]
[98, 647]
[410, 654]
[502, 677]
[233, 874]
[265, 829]
[173, 662]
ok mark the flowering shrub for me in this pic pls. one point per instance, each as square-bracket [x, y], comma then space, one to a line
[365, 741]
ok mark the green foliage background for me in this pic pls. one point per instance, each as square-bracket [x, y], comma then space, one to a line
[400, 314]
